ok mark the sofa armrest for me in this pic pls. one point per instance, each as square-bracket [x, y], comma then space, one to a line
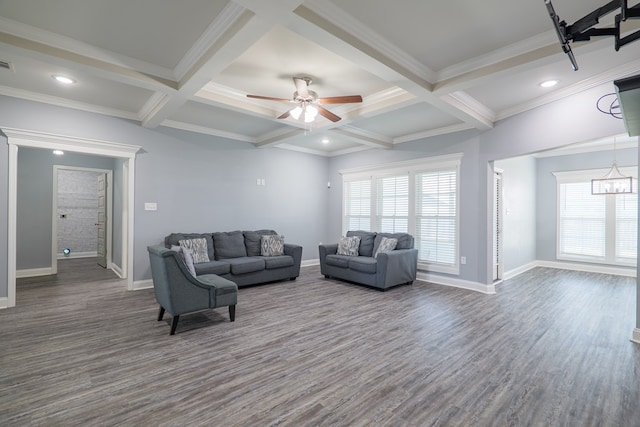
[294, 251]
[324, 250]
[396, 267]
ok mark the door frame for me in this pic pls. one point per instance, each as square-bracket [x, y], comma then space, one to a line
[498, 223]
[54, 212]
[23, 138]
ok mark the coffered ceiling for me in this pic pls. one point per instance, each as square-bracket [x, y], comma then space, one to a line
[422, 68]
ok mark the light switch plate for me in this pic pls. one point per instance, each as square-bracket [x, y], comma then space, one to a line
[148, 206]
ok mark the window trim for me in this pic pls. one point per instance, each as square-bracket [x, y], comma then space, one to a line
[410, 168]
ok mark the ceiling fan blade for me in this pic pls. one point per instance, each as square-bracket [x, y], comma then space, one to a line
[302, 86]
[269, 98]
[285, 114]
[327, 114]
[347, 99]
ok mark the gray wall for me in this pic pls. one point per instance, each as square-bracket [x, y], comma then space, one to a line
[35, 199]
[547, 190]
[200, 183]
[567, 121]
[519, 213]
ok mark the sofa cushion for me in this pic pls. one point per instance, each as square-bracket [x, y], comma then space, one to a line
[349, 245]
[173, 239]
[271, 245]
[229, 245]
[197, 248]
[387, 244]
[252, 240]
[278, 261]
[245, 265]
[363, 264]
[338, 260]
[405, 241]
[367, 239]
[212, 267]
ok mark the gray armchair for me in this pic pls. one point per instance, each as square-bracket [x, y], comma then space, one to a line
[179, 292]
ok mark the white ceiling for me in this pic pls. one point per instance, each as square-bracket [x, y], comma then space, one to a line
[422, 68]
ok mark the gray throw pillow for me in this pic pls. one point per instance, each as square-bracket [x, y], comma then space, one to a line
[188, 260]
[387, 244]
[349, 245]
[197, 248]
[271, 245]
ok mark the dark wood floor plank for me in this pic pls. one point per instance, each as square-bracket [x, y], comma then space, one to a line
[550, 348]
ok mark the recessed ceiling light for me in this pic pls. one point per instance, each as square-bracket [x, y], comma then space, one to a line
[549, 83]
[63, 79]
[58, 152]
[325, 140]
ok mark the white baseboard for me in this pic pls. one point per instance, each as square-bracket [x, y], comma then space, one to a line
[34, 272]
[79, 255]
[457, 283]
[636, 336]
[142, 284]
[310, 262]
[116, 269]
[519, 270]
[589, 268]
[4, 302]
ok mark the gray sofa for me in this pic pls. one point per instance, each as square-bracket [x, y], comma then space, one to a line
[386, 270]
[236, 256]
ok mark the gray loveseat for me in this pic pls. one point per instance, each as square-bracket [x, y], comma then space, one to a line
[388, 269]
[236, 256]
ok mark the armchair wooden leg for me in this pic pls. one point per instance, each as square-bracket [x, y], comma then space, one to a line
[232, 312]
[160, 313]
[174, 325]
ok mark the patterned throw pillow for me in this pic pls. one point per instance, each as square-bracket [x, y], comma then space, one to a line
[271, 245]
[186, 257]
[387, 244]
[349, 245]
[197, 248]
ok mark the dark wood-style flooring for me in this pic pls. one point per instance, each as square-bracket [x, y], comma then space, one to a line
[550, 348]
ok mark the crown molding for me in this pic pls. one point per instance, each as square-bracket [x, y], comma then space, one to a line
[595, 81]
[80, 48]
[223, 22]
[207, 131]
[433, 132]
[357, 29]
[66, 103]
[497, 56]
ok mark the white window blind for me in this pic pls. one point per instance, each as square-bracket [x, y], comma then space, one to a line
[357, 205]
[419, 197]
[436, 217]
[392, 204]
[626, 245]
[582, 221]
[595, 228]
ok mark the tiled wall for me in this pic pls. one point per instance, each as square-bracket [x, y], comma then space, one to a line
[78, 202]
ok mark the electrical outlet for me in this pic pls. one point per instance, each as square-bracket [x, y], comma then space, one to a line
[463, 260]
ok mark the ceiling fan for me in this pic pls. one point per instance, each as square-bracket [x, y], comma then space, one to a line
[308, 104]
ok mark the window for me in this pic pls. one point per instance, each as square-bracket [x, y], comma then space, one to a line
[595, 228]
[419, 197]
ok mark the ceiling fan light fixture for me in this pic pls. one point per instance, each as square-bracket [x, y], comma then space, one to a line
[310, 113]
[295, 113]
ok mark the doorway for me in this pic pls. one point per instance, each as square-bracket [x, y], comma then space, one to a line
[82, 218]
[125, 153]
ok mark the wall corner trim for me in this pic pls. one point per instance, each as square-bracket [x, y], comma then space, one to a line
[457, 283]
[636, 336]
[142, 284]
